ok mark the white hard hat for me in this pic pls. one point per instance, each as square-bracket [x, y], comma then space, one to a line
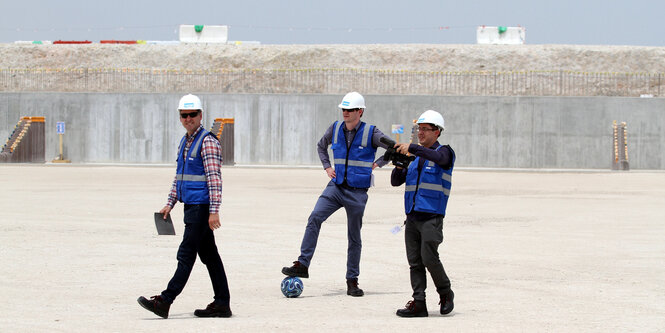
[190, 102]
[352, 100]
[431, 117]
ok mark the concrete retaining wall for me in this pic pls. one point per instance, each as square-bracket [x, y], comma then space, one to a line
[516, 132]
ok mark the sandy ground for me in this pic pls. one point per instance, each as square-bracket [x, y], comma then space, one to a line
[526, 251]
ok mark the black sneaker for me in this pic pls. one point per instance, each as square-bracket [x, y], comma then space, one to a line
[414, 309]
[214, 310]
[352, 288]
[297, 269]
[156, 305]
[447, 303]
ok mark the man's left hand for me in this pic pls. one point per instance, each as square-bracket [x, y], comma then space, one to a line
[213, 221]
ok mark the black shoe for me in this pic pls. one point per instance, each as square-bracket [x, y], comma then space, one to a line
[352, 288]
[297, 269]
[156, 305]
[447, 303]
[214, 310]
[414, 309]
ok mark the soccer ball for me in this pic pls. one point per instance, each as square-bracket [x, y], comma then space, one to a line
[292, 286]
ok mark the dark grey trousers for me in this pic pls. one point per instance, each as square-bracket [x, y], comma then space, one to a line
[422, 239]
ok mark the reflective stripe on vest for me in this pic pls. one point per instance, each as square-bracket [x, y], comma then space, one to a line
[191, 178]
[355, 163]
[336, 131]
[197, 146]
[428, 186]
[364, 142]
[445, 176]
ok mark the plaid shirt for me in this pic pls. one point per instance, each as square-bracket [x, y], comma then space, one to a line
[211, 152]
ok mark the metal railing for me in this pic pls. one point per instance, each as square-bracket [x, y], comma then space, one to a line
[333, 81]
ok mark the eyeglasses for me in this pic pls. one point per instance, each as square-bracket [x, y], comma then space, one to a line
[191, 115]
[425, 129]
[350, 110]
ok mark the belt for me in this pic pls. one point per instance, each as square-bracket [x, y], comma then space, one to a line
[417, 216]
[346, 186]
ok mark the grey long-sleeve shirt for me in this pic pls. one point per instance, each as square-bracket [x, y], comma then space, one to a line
[326, 140]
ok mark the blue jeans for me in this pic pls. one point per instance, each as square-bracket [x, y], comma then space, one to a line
[199, 239]
[333, 198]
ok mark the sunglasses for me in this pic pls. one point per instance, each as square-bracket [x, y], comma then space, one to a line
[191, 115]
[350, 110]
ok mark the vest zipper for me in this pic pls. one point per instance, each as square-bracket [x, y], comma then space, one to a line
[346, 161]
[182, 172]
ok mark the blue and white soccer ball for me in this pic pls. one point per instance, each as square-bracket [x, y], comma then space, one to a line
[292, 286]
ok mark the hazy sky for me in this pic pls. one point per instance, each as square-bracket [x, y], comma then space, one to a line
[592, 22]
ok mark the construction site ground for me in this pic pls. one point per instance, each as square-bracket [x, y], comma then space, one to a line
[527, 251]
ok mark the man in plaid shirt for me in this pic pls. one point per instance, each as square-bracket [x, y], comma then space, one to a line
[198, 183]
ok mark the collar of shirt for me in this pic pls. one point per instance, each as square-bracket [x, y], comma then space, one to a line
[353, 129]
[190, 138]
[350, 134]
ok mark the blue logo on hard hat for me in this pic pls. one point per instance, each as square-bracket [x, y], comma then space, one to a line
[345, 103]
[189, 105]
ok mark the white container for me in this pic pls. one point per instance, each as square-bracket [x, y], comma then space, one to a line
[500, 35]
[208, 34]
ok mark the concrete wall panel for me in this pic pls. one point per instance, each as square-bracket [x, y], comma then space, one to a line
[516, 132]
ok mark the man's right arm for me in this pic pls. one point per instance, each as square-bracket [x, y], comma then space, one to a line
[322, 147]
[171, 201]
[173, 195]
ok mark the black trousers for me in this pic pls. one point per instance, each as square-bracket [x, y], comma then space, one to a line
[199, 239]
[422, 239]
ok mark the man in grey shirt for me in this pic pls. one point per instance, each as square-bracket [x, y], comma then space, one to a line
[354, 145]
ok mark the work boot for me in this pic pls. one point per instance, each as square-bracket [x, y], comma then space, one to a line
[214, 310]
[297, 269]
[352, 288]
[156, 305]
[414, 309]
[447, 302]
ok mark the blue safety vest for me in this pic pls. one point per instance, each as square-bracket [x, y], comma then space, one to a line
[191, 181]
[355, 163]
[428, 191]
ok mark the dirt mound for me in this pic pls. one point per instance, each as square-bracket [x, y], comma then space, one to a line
[412, 57]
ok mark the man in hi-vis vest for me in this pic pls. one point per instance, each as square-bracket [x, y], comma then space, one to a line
[198, 184]
[354, 146]
[428, 180]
